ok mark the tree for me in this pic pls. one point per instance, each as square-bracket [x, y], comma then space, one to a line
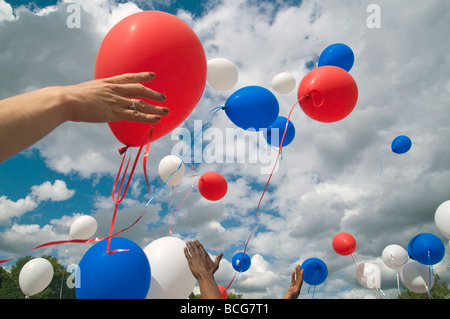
[230, 295]
[9, 282]
[439, 291]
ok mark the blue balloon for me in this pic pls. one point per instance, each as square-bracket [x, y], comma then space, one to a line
[401, 144]
[240, 263]
[427, 249]
[409, 247]
[119, 275]
[252, 107]
[274, 134]
[339, 55]
[315, 271]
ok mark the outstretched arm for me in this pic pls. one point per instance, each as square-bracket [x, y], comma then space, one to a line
[296, 284]
[203, 268]
[26, 118]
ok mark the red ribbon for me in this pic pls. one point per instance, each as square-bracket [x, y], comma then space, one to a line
[117, 200]
[268, 181]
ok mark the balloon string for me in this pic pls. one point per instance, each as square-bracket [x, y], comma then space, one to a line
[170, 228]
[82, 241]
[314, 286]
[268, 181]
[172, 198]
[232, 279]
[381, 163]
[120, 197]
[214, 111]
[363, 275]
[430, 270]
[270, 176]
[73, 241]
[147, 148]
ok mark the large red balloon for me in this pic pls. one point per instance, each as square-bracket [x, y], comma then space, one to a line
[344, 244]
[328, 94]
[154, 41]
[213, 186]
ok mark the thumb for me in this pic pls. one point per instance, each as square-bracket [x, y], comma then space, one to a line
[217, 261]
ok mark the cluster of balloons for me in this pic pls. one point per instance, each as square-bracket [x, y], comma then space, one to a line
[367, 274]
[212, 185]
[326, 94]
[159, 271]
[329, 93]
[253, 107]
[424, 250]
[413, 264]
[37, 273]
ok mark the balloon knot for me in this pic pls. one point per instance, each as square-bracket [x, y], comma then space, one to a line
[122, 150]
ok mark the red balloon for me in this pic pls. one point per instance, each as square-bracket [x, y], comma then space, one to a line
[212, 186]
[344, 244]
[155, 41]
[328, 94]
[223, 292]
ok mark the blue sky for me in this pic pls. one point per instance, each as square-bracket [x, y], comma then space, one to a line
[328, 180]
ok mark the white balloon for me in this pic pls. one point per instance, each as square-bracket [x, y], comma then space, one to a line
[442, 218]
[416, 277]
[171, 276]
[283, 83]
[83, 227]
[394, 256]
[222, 74]
[169, 166]
[369, 275]
[35, 276]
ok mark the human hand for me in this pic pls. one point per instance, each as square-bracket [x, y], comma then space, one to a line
[199, 262]
[296, 284]
[108, 100]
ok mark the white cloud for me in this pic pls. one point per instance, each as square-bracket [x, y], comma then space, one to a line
[6, 11]
[55, 192]
[11, 209]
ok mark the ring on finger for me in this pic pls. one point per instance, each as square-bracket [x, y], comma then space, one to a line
[133, 105]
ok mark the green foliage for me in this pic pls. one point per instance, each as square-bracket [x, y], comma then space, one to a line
[439, 291]
[230, 295]
[57, 289]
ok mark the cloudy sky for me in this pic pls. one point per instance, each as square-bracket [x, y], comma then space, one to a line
[329, 178]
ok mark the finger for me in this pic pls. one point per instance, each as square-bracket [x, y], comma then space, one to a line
[131, 78]
[136, 116]
[301, 275]
[218, 258]
[190, 247]
[138, 90]
[144, 107]
[186, 253]
[293, 278]
[198, 246]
